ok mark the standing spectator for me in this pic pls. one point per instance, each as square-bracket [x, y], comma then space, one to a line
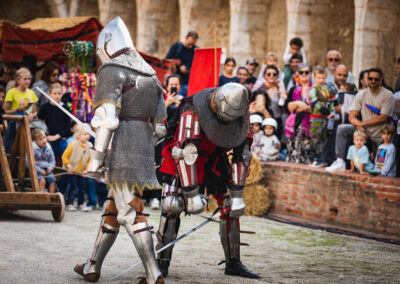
[374, 96]
[322, 110]
[252, 66]
[363, 80]
[290, 78]
[58, 123]
[21, 100]
[184, 52]
[45, 160]
[295, 47]
[259, 104]
[333, 60]
[51, 73]
[243, 74]
[397, 84]
[227, 73]
[270, 144]
[75, 160]
[358, 154]
[298, 123]
[173, 87]
[385, 160]
[276, 93]
[270, 59]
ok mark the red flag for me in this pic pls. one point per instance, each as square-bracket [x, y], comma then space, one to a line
[205, 69]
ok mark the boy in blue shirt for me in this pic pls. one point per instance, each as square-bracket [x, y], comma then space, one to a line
[385, 160]
[358, 154]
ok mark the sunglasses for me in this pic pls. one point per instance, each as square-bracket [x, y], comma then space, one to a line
[374, 79]
[334, 59]
[272, 74]
[304, 72]
[55, 74]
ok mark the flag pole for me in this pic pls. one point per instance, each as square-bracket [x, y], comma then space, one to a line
[215, 55]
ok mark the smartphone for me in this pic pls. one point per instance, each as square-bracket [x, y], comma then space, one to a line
[174, 90]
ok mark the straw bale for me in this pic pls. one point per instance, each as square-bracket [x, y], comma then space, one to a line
[54, 24]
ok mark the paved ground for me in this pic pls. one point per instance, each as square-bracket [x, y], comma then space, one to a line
[34, 249]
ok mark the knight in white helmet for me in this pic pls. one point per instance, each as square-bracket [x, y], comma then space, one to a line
[270, 143]
[128, 103]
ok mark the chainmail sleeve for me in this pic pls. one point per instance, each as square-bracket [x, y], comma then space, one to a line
[160, 113]
[110, 80]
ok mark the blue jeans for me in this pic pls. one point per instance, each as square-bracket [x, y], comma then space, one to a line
[91, 190]
[76, 183]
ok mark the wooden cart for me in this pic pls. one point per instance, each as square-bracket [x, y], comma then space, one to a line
[17, 195]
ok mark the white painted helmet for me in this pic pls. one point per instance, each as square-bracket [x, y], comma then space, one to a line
[271, 122]
[256, 118]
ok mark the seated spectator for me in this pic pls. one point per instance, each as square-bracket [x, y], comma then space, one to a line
[259, 104]
[298, 122]
[322, 110]
[295, 47]
[58, 123]
[227, 72]
[358, 154]
[290, 76]
[255, 127]
[375, 97]
[276, 94]
[44, 159]
[51, 73]
[397, 138]
[349, 92]
[333, 60]
[243, 74]
[184, 53]
[385, 160]
[270, 144]
[252, 66]
[75, 160]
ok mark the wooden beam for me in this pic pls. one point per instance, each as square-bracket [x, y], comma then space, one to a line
[21, 153]
[31, 156]
[5, 167]
[30, 200]
[12, 117]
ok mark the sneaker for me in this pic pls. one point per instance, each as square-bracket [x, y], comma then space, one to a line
[337, 166]
[318, 164]
[71, 207]
[80, 207]
[87, 208]
[155, 204]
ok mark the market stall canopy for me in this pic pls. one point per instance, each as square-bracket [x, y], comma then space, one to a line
[44, 37]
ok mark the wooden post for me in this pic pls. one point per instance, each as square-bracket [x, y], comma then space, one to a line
[215, 55]
[5, 168]
[31, 156]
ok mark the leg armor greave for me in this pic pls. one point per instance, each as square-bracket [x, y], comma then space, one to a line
[167, 232]
[141, 236]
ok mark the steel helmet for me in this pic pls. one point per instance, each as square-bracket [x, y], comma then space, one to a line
[230, 102]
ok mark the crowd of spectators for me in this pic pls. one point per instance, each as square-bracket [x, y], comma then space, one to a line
[305, 114]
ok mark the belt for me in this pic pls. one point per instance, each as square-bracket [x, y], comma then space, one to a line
[128, 118]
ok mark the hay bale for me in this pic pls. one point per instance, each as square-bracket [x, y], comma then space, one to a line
[255, 172]
[256, 198]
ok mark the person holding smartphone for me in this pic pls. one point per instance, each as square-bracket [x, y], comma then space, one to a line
[173, 86]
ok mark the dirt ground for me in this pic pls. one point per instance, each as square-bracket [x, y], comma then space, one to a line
[35, 249]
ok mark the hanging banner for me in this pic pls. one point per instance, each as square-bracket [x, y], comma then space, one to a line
[205, 69]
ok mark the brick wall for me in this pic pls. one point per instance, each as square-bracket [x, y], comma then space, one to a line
[352, 202]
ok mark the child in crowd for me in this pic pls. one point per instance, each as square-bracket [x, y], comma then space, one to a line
[270, 143]
[75, 160]
[358, 154]
[295, 47]
[2, 96]
[385, 162]
[58, 123]
[322, 110]
[21, 99]
[45, 161]
[227, 75]
[255, 126]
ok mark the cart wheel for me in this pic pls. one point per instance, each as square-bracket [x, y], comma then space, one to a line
[58, 213]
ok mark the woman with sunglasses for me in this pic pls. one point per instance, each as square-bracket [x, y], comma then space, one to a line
[276, 94]
[51, 73]
[298, 122]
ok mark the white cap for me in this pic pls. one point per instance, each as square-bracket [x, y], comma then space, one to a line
[255, 118]
[271, 122]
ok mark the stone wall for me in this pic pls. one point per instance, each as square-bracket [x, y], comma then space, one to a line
[350, 202]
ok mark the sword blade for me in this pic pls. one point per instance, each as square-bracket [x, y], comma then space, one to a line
[166, 246]
[88, 129]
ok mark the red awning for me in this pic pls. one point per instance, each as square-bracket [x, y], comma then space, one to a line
[18, 41]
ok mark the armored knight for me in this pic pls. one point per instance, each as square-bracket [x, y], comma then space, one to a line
[210, 123]
[127, 101]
